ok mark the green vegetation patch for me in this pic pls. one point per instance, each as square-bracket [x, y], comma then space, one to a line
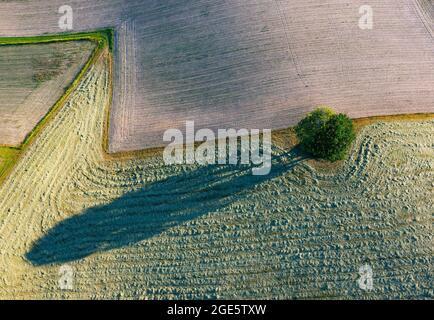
[8, 157]
[325, 134]
[151, 231]
[104, 37]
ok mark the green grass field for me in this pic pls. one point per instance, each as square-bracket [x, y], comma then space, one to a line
[8, 157]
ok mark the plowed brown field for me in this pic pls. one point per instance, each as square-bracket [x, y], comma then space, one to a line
[140, 229]
[254, 64]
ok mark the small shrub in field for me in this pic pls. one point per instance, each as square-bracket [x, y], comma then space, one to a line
[325, 134]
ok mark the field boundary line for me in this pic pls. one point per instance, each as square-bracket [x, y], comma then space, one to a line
[103, 38]
[359, 123]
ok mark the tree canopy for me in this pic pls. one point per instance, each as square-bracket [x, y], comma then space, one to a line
[325, 134]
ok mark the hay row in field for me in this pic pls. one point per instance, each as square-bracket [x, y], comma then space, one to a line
[101, 39]
[139, 229]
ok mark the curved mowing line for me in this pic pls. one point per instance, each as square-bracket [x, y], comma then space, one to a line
[104, 38]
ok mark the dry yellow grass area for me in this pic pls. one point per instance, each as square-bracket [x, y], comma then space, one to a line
[287, 139]
[137, 228]
[45, 168]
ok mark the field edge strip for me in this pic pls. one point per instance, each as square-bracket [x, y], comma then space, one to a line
[103, 38]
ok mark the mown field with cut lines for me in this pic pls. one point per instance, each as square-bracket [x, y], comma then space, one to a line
[254, 64]
[33, 78]
[135, 228]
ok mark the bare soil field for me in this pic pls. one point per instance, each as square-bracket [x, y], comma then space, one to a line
[255, 64]
[140, 229]
[426, 8]
[32, 78]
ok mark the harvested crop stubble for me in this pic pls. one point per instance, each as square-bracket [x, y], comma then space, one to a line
[140, 229]
[253, 64]
[32, 78]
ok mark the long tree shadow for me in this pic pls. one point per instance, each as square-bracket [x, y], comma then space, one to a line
[142, 214]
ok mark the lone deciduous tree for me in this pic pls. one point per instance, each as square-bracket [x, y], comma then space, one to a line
[325, 134]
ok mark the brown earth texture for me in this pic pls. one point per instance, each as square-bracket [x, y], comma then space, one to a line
[254, 64]
[135, 228]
